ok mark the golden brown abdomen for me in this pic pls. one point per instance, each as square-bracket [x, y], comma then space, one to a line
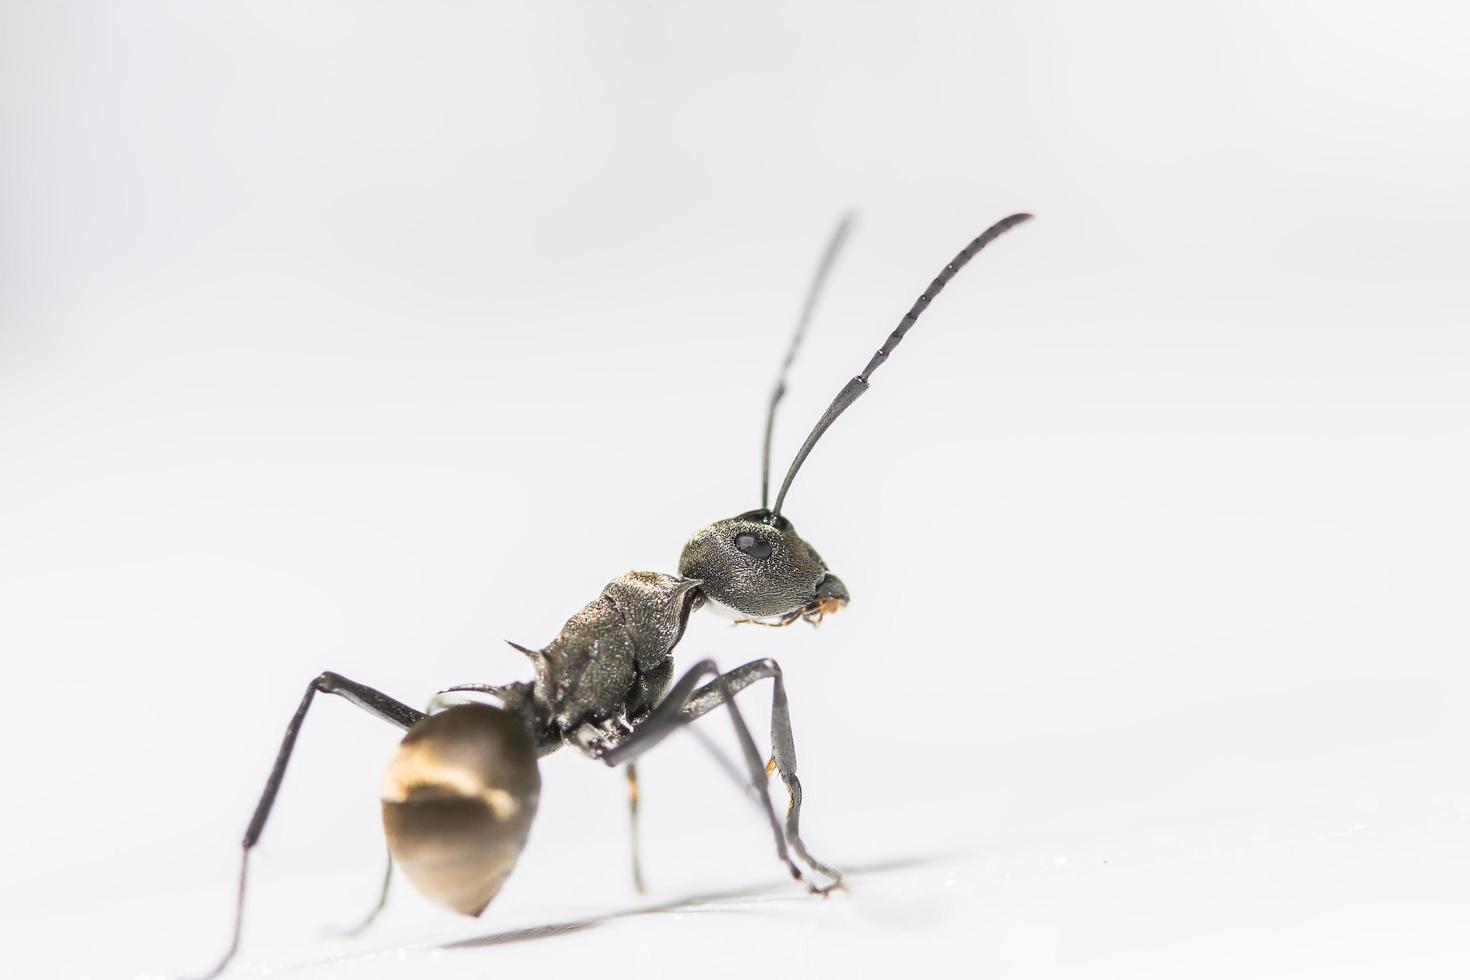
[458, 802]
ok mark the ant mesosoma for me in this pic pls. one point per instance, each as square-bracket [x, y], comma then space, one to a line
[462, 788]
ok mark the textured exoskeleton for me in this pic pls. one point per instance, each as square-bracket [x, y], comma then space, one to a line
[462, 789]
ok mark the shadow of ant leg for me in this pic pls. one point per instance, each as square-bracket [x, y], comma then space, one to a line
[668, 717]
[783, 744]
[361, 695]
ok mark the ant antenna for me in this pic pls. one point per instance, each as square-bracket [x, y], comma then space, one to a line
[859, 384]
[813, 293]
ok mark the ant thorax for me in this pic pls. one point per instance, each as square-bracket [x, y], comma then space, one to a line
[614, 656]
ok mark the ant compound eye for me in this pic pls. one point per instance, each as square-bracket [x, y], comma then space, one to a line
[753, 545]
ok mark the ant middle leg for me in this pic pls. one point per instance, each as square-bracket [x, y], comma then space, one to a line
[326, 683]
[631, 769]
[672, 713]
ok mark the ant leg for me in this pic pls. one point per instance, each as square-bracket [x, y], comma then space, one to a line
[729, 768]
[377, 908]
[327, 683]
[783, 744]
[632, 770]
[668, 716]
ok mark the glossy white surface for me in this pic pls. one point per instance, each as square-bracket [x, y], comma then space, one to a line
[362, 337]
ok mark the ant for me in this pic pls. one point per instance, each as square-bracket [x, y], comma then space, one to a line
[463, 786]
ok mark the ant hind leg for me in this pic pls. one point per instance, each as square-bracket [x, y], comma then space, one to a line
[328, 682]
[378, 906]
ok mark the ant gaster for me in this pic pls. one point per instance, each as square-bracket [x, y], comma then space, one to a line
[462, 788]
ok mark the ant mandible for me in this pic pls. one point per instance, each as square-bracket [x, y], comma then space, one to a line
[463, 786]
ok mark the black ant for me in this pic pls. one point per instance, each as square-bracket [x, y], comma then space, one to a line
[462, 788]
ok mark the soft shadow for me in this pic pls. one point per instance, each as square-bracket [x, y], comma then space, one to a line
[780, 890]
[776, 891]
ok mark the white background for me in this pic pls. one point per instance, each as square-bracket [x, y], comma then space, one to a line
[365, 335]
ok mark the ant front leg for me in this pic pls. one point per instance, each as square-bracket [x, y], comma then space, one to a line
[673, 713]
[783, 743]
[361, 695]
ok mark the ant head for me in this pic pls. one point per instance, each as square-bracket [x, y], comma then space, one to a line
[756, 565]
